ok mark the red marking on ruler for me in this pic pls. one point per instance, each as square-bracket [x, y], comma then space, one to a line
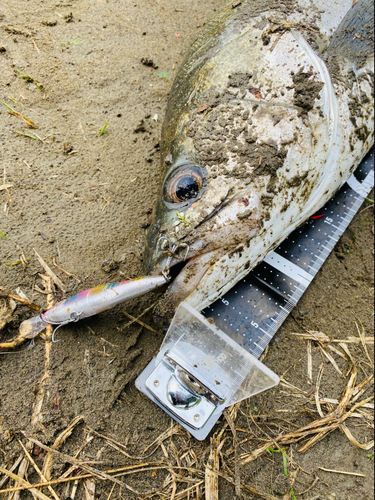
[318, 216]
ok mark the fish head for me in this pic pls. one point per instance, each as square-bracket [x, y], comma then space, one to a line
[220, 161]
[202, 214]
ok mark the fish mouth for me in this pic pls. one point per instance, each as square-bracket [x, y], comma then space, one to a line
[187, 261]
[179, 257]
[180, 266]
[184, 275]
[187, 269]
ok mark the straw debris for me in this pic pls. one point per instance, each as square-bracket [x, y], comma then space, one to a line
[181, 470]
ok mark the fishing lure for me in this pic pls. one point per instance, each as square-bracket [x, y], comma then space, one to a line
[87, 304]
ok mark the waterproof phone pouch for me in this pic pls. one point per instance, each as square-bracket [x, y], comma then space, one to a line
[200, 371]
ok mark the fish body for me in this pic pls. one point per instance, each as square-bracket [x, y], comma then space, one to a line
[269, 115]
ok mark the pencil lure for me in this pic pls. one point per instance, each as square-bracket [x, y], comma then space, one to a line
[89, 303]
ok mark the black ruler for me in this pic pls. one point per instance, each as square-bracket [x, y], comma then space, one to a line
[253, 311]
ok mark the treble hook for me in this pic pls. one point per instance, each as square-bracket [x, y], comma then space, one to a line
[173, 251]
[173, 248]
[74, 318]
[164, 238]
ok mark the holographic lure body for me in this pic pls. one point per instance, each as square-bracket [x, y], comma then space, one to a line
[90, 303]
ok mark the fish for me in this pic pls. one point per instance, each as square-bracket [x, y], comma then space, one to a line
[269, 115]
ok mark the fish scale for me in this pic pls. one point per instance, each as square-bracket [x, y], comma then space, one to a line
[254, 310]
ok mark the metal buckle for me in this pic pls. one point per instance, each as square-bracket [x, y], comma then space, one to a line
[177, 389]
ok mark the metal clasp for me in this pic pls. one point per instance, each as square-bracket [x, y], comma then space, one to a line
[176, 388]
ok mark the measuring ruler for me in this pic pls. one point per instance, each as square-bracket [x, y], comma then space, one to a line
[253, 311]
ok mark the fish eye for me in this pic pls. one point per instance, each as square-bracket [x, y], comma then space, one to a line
[184, 184]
